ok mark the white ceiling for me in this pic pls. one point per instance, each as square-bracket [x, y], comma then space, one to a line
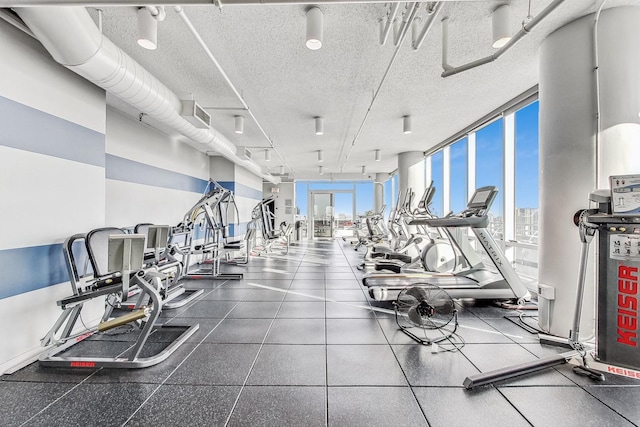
[262, 50]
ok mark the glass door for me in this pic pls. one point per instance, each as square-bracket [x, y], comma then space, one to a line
[344, 219]
[323, 215]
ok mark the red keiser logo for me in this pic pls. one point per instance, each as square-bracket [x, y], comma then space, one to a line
[628, 305]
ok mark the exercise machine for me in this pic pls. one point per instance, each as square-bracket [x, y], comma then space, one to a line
[208, 218]
[616, 221]
[124, 257]
[472, 278]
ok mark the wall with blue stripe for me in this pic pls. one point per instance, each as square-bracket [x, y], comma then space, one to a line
[52, 167]
[69, 164]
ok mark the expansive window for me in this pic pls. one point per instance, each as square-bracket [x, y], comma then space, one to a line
[437, 176]
[458, 178]
[388, 197]
[302, 200]
[490, 170]
[364, 197]
[526, 173]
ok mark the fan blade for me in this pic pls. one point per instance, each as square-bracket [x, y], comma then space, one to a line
[417, 293]
[415, 317]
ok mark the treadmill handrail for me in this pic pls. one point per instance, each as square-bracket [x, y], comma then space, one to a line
[474, 221]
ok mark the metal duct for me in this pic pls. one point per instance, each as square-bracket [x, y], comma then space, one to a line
[73, 40]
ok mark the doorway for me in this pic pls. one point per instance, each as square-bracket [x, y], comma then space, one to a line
[332, 213]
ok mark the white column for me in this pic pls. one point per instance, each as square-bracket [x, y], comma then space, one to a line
[378, 191]
[471, 165]
[571, 163]
[407, 176]
[446, 180]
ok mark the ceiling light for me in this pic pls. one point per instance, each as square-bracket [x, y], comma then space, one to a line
[377, 152]
[314, 28]
[281, 170]
[319, 125]
[239, 124]
[364, 170]
[320, 159]
[320, 170]
[500, 20]
[406, 125]
[147, 30]
[267, 155]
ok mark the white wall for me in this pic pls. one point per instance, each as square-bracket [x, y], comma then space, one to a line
[149, 177]
[51, 186]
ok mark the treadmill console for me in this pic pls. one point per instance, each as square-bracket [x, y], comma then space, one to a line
[474, 216]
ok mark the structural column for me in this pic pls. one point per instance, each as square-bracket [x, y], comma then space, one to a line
[411, 172]
[378, 191]
[574, 157]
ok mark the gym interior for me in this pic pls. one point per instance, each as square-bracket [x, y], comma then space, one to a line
[252, 212]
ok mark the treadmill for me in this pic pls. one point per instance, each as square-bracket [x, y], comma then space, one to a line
[472, 278]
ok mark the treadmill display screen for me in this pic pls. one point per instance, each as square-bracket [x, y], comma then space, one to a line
[480, 199]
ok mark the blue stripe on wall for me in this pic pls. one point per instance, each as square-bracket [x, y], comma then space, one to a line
[121, 169]
[28, 129]
[242, 190]
[31, 268]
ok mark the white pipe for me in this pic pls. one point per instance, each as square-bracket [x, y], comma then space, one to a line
[445, 44]
[73, 40]
[138, 3]
[402, 31]
[596, 71]
[387, 27]
[433, 14]
[526, 29]
[412, 16]
[180, 11]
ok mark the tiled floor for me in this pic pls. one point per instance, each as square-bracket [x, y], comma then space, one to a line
[298, 343]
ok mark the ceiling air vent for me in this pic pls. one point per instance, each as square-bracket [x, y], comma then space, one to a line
[195, 114]
[244, 153]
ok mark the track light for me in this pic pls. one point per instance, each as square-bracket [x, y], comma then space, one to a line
[320, 157]
[147, 30]
[239, 124]
[314, 28]
[406, 125]
[377, 153]
[267, 155]
[364, 170]
[281, 170]
[319, 125]
[500, 20]
[320, 170]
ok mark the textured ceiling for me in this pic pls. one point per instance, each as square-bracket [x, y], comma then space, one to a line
[261, 48]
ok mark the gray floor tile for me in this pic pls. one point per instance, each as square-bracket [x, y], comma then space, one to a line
[305, 295]
[349, 310]
[297, 331]
[214, 309]
[280, 406]
[451, 407]
[302, 310]
[19, 401]
[216, 364]
[264, 295]
[623, 400]
[351, 365]
[308, 275]
[225, 294]
[240, 331]
[290, 365]
[350, 284]
[354, 331]
[71, 410]
[192, 405]
[373, 406]
[255, 310]
[423, 368]
[513, 331]
[346, 295]
[300, 284]
[565, 406]
[476, 331]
